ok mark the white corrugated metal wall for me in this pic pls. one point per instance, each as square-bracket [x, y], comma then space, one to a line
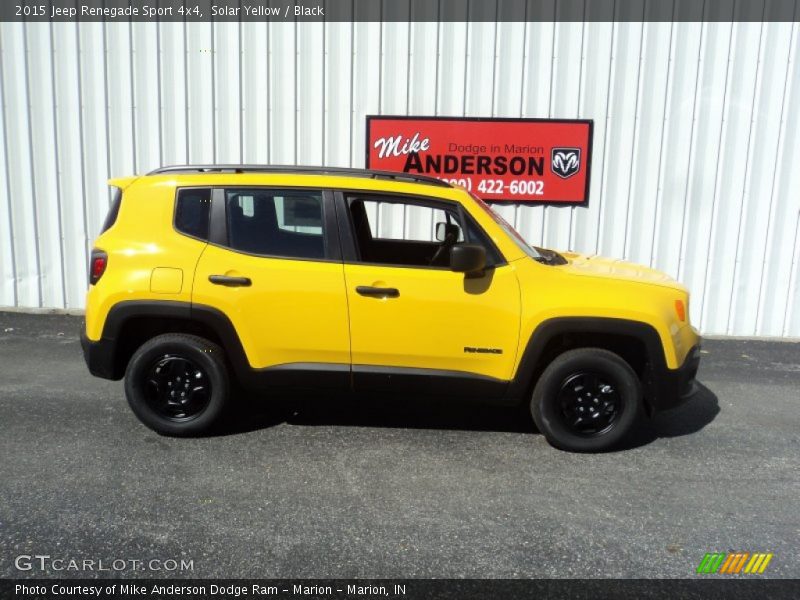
[696, 151]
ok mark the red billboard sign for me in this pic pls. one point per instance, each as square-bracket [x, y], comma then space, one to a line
[499, 160]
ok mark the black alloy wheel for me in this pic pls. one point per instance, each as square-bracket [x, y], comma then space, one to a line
[178, 384]
[589, 403]
[587, 400]
[177, 388]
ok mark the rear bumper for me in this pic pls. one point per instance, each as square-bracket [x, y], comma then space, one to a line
[672, 387]
[99, 356]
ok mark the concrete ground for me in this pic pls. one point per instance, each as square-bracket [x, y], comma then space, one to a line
[344, 488]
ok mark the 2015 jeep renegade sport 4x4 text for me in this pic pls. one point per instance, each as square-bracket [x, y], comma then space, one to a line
[297, 278]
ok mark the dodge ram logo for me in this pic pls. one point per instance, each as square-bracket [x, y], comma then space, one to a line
[565, 162]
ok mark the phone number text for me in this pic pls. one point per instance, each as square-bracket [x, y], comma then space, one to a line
[497, 187]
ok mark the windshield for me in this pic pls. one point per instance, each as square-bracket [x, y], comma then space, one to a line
[510, 231]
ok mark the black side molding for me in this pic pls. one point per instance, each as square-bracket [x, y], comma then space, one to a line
[427, 382]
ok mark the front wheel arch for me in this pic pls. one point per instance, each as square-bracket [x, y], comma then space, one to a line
[638, 343]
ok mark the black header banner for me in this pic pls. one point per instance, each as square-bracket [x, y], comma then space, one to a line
[396, 10]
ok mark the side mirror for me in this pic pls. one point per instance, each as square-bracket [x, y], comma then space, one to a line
[467, 258]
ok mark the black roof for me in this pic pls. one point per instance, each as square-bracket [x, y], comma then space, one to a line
[304, 170]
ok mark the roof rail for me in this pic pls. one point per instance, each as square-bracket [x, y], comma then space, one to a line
[306, 170]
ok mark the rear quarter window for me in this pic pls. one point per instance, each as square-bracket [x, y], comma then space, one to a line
[192, 210]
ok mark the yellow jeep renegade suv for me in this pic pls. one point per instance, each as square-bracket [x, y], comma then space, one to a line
[376, 282]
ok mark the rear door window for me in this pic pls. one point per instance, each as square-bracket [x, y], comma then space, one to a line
[279, 223]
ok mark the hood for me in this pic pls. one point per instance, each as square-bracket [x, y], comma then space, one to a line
[613, 268]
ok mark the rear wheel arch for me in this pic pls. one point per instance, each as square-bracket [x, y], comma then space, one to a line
[131, 324]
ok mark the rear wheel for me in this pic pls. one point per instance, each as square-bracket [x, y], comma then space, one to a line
[177, 384]
[587, 400]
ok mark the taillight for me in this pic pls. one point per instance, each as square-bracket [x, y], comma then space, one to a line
[97, 266]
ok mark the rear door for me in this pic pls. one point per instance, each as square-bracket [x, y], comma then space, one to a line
[274, 267]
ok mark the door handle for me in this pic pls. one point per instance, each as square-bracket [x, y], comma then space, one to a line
[229, 281]
[381, 292]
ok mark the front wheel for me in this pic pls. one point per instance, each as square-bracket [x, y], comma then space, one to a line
[587, 400]
[177, 384]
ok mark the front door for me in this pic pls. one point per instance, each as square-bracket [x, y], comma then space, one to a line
[413, 322]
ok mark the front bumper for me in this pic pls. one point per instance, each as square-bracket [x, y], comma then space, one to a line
[99, 356]
[669, 388]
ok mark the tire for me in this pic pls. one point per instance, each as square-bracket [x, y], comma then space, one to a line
[587, 400]
[177, 384]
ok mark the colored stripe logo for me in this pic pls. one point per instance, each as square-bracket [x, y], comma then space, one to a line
[734, 563]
